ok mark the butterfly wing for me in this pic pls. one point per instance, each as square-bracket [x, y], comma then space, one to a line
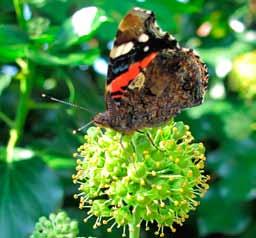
[150, 77]
[138, 40]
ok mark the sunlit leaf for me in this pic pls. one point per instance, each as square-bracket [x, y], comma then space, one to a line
[80, 27]
[214, 54]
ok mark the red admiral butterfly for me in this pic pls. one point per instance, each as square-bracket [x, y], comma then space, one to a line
[150, 77]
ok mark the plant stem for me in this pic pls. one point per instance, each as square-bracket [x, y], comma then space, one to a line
[25, 89]
[6, 119]
[26, 81]
[134, 228]
[18, 6]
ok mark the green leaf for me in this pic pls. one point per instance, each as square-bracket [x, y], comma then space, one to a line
[13, 43]
[72, 59]
[45, 37]
[235, 164]
[217, 214]
[56, 10]
[223, 119]
[58, 162]
[80, 27]
[9, 53]
[28, 190]
[10, 34]
[250, 232]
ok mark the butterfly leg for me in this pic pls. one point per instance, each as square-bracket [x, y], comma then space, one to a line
[124, 149]
[121, 141]
[150, 139]
[134, 151]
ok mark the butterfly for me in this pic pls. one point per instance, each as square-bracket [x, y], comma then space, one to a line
[150, 76]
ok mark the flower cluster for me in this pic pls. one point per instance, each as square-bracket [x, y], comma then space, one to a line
[58, 225]
[153, 175]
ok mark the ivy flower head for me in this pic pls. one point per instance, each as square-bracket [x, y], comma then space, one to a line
[153, 175]
[57, 225]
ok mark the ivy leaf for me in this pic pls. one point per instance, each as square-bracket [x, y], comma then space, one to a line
[29, 189]
[217, 214]
[236, 166]
[13, 43]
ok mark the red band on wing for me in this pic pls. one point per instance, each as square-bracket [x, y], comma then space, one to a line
[124, 79]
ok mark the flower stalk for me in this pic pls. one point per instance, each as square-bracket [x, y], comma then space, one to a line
[134, 226]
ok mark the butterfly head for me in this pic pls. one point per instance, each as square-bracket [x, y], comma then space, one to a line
[134, 22]
[102, 119]
[139, 25]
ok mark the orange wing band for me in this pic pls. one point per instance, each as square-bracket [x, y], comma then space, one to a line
[124, 79]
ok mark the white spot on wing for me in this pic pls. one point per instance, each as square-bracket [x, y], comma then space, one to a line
[138, 9]
[138, 82]
[127, 47]
[146, 48]
[121, 50]
[156, 25]
[171, 37]
[161, 32]
[143, 38]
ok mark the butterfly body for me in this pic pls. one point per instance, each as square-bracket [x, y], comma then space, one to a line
[150, 77]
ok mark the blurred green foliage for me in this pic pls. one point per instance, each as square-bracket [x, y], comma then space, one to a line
[60, 47]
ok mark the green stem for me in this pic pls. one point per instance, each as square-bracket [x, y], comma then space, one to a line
[18, 6]
[22, 110]
[25, 89]
[6, 119]
[134, 227]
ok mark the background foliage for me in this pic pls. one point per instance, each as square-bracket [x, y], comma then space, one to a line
[49, 46]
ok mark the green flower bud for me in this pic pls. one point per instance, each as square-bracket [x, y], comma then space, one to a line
[156, 176]
[57, 225]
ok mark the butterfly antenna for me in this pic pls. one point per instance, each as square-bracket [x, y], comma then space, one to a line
[82, 127]
[66, 103]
